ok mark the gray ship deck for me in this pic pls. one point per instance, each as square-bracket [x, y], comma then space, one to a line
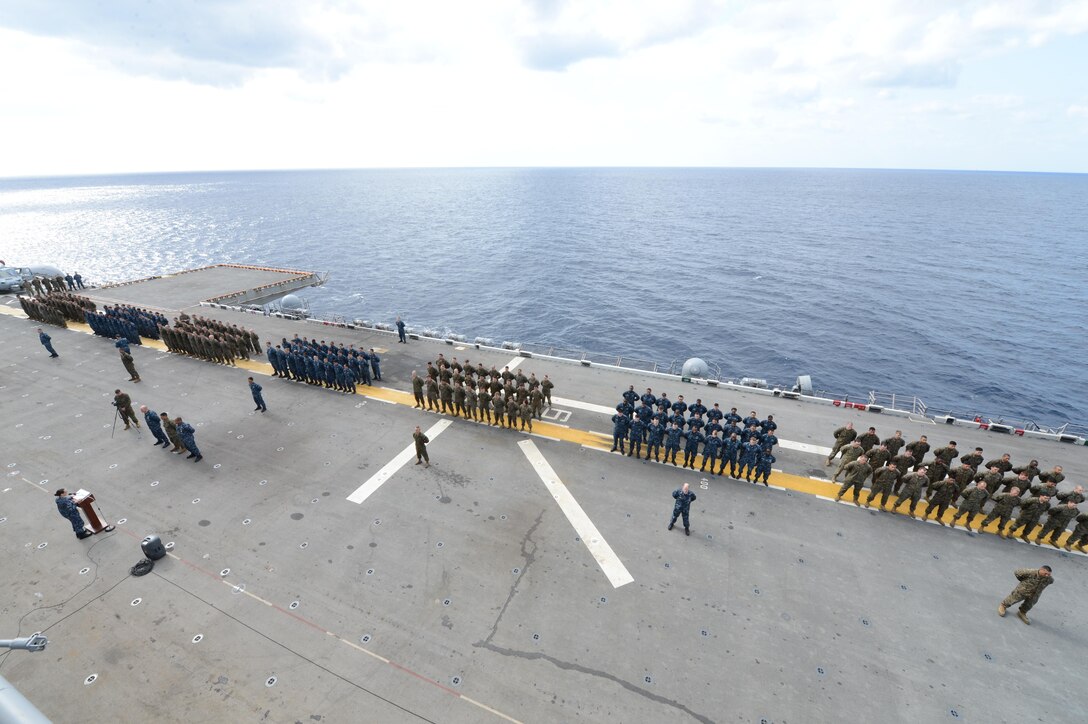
[227, 283]
[462, 593]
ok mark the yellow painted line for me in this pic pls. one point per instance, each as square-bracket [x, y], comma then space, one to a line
[13, 311]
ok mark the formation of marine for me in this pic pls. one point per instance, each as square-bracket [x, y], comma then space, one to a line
[502, 399]
[40, 311]
[894, 466]
[723, 439]
[209, 339]
[42, 285]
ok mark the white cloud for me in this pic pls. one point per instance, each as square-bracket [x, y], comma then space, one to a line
[248, 84]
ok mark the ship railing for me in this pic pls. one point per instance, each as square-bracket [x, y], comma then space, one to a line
[896, 401]
[1019, 423]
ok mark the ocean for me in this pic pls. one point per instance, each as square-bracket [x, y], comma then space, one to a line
[965, 289]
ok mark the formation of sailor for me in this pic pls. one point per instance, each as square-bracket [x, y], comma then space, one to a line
[327, 364]
[744, 445]
[146, 322]
[969, 486]
[112, 327]
[507, 399]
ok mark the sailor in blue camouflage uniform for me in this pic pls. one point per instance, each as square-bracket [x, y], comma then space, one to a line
[255, 390]
[68, 509]
[636, 436]
[691, 447]
[763, 466]
[376, 364]
[620, 425]
[648, 399]
[45, 339]
[664, 403]
[711, 448]
[154, 424]
[680, 406]
[698, 408]
[715, 413]
[732, 417]
[187, 433]
[630, 396]
[729, 454]
[655, 432]
[672, 442]
[752, 419]
[749, 457]
[273, 360]
[682, 507]
[768, 441]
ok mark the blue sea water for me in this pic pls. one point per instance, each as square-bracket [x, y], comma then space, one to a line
[966, 289]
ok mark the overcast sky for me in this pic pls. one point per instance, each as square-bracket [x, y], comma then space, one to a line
[173, 85]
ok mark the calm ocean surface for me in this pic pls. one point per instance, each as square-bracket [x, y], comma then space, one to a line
[966, 289]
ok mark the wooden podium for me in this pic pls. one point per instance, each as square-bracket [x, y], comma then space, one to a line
[83, 500]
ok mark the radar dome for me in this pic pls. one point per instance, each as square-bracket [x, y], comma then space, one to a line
[291, 301]
[46, 270]
[694, 367]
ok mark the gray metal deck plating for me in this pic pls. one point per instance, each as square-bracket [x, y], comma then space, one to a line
[460, 593]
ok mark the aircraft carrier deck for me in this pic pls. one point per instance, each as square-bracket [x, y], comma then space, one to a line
[474, 590]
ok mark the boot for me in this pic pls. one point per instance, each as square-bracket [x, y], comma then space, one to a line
[687, 531]
[670, 526]
[1022, 616]
[1001, 609]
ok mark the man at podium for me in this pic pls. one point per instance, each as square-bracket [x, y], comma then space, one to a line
[68, 509]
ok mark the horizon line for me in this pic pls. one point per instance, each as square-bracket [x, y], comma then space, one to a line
[41, 177]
